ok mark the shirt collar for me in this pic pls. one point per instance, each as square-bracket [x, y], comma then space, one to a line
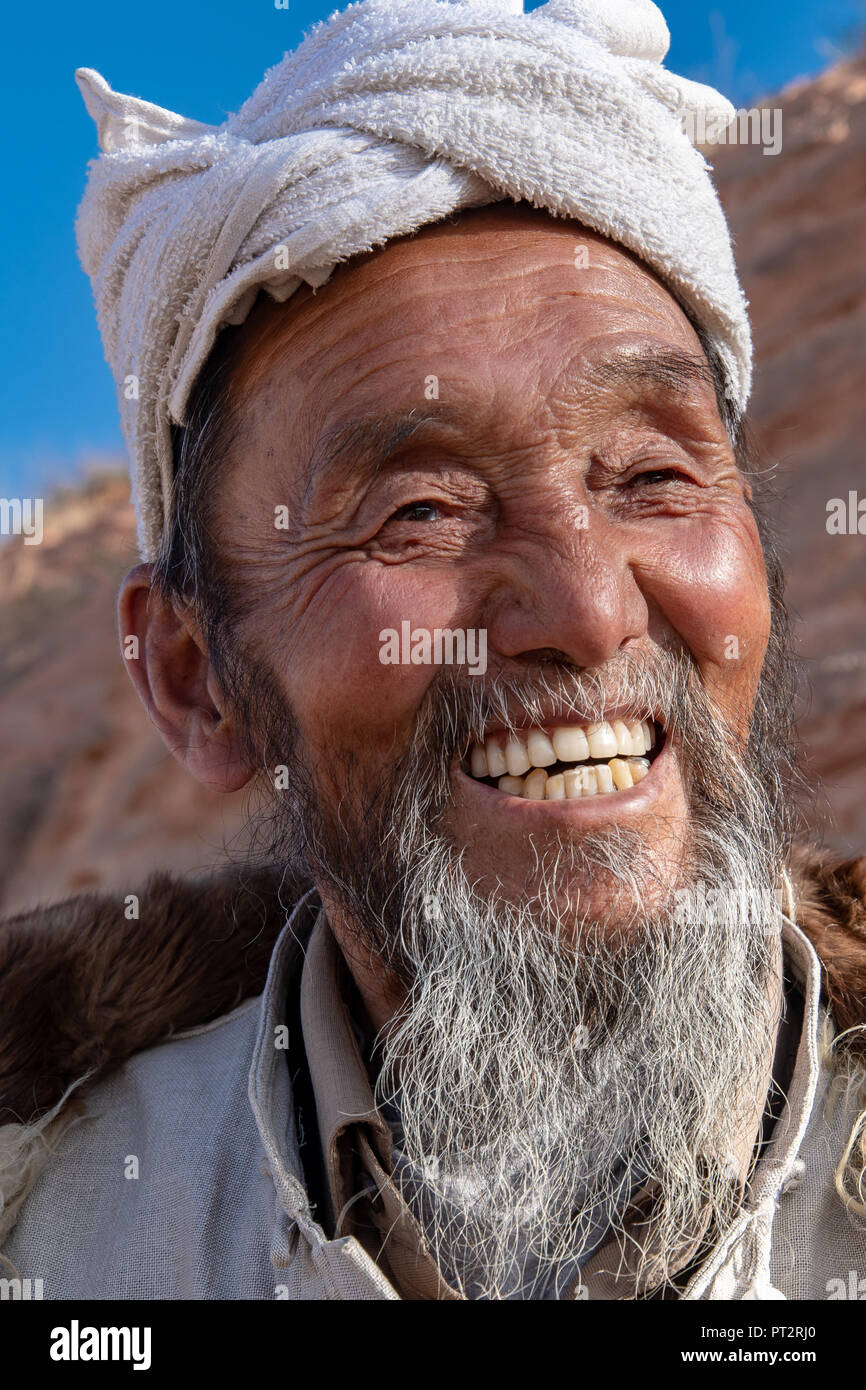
[269, 1085]
[342, 1088]
[775, 1166]
[720, 1274]
[606, 1275]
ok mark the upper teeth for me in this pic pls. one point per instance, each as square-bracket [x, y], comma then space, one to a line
[509, 758]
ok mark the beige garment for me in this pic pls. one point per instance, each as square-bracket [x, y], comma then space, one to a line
[220, 1208]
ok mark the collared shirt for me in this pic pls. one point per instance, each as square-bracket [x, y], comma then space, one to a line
[185, 1179]
[355, 1139]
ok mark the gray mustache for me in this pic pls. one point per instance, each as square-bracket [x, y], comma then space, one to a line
[457, 711]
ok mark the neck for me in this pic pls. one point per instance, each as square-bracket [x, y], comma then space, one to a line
[380, 992]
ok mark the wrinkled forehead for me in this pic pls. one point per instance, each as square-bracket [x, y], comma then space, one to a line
[502, 303]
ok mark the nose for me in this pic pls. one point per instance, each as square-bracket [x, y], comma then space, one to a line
[569, 587]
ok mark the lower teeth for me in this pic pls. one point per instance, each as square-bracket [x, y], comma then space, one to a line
[586, 780]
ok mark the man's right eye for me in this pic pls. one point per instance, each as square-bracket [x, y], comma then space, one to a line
[417, 511]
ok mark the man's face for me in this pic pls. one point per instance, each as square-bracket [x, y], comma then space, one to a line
[574, 495]
[557, 476]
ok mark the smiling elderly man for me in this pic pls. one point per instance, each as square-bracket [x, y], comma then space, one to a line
[538, 1021]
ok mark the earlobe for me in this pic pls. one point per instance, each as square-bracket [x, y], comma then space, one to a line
[168, 662]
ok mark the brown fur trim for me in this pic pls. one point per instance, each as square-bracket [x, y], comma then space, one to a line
[83, 987]
[831, 911]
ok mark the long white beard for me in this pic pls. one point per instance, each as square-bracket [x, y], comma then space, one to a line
[542, 1067]
[543, 1061]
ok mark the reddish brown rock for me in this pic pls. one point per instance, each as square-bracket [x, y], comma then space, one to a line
[799, 224]
[88, 794]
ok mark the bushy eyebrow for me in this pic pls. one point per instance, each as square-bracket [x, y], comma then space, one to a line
[666, 368]
[359, 448]
[362, 446]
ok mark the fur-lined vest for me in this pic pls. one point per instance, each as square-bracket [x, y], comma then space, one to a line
[121, 1012]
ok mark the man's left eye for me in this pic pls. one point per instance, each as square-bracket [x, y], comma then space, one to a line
[658, 475]
[417, 511]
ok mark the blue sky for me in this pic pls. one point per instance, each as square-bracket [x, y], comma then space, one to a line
[202, 58]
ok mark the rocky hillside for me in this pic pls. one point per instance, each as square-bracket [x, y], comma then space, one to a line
[88, 795]
[799, 223]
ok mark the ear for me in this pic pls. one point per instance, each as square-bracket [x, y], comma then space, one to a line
[167, 659]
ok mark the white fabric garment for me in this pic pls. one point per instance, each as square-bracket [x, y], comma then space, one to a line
[218, 1208]
[390, 115]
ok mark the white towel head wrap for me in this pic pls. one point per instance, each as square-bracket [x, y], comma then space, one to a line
[390, 115]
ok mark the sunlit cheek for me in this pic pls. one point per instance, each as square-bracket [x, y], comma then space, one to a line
[715, 595]
[369, 651]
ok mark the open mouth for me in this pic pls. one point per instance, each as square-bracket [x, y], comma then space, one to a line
[566, 762]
